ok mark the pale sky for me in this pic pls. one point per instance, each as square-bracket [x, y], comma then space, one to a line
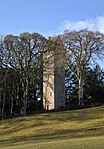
[50, 17]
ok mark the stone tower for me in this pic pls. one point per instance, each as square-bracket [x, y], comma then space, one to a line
[53, 77]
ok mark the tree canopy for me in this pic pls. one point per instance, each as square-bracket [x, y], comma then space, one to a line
[22, 66]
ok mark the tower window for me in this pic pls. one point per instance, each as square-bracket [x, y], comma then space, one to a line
[50, 93]
[47, 107]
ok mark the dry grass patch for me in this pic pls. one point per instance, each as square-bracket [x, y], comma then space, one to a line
[57, 125]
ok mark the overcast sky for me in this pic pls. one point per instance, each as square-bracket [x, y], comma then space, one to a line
[49, 17]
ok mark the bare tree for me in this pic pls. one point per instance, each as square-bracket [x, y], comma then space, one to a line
[23, 54]
[82, 46]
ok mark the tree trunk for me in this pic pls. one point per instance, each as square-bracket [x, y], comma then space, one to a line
[3, 105]
[0, 103]
[25, 107]
[81, 102]
[25, 96]
[11, 108]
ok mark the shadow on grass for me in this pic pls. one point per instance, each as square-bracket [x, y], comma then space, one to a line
[58, 135]
[43, 119]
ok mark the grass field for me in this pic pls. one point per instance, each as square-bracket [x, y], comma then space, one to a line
[79, 129]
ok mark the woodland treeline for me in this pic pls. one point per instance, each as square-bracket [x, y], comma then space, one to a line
[22, 66]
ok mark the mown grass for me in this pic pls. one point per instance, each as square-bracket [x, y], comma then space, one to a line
[82, 143]
[78, 128]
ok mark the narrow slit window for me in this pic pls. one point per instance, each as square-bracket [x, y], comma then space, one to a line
[50, 93]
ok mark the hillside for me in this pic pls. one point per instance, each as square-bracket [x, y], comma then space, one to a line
[51, 127]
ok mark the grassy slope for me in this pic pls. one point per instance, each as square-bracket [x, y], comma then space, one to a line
[72, 129]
